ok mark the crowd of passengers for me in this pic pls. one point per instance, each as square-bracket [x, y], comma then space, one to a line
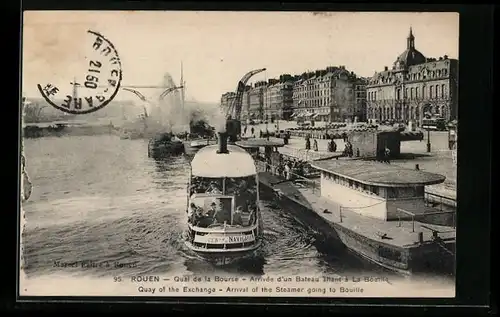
[233, 186]
[216, 214]
[245, 196]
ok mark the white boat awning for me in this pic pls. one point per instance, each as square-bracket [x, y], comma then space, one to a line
[236, 163]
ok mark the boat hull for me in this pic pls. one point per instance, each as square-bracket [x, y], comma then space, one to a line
[171, 149]
[224, 257]
[193, 146]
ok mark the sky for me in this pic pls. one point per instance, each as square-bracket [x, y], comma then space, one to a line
[218, 48]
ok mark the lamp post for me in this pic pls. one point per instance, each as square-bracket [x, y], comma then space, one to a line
[428, 140]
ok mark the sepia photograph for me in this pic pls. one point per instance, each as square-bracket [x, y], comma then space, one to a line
[238, 154]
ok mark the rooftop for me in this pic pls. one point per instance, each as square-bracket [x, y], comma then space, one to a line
[379, 174]
[236, 163]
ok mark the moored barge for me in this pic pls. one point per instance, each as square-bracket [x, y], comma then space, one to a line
[376, 210]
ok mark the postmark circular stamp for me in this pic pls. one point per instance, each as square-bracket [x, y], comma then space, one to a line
[95, 83]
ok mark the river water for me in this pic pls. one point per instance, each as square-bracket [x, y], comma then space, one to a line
[101, 199]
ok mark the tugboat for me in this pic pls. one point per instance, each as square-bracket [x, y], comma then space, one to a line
[224, 217]
[200, 135]
[165, 144]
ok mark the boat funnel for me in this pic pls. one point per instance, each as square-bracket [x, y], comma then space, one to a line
[222, 143]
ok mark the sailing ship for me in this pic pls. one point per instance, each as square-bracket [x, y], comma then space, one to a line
[223, 213]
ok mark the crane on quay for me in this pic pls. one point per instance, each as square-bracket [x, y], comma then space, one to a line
[233, 113]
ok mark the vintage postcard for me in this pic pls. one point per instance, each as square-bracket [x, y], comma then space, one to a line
[223, 154]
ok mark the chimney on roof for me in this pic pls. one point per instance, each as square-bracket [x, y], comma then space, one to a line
[386, 68]
[222, 143]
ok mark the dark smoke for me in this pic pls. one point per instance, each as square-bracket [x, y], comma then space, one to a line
[168, 114]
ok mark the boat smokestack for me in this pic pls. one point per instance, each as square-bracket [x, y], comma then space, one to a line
[222, 143]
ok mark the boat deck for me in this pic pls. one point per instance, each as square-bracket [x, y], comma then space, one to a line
[395, 235]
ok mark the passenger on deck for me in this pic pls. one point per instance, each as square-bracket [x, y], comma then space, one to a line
[387, 155]
[237, 220]
[252, 210]
[196, 215]
[213, 189]
[206, 219]
[220, 215]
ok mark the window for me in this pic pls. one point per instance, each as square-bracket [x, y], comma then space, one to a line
[416, 93]
[431, 91]
[419, 191]
[391, 192]
[443, 90]
[411, 93]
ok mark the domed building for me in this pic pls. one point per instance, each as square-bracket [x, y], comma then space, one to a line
[411, 56]
[415, 88]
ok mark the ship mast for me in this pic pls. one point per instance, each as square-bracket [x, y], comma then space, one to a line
[183, 94]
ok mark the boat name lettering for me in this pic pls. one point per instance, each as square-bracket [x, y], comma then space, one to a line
[225, 239]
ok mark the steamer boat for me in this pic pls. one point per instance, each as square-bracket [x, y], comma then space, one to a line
[224, 217]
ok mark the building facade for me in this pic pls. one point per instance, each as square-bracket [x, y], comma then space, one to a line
[333, 94]
[414, 89]
[360, 98]
[328, 95]
[278, 99]
[256, 100]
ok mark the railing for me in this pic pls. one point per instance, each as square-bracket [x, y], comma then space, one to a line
[422, 216]
[297, 179]
[440, 199]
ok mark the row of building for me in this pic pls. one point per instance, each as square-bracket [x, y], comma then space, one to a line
[414, 88]
[330, 94]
